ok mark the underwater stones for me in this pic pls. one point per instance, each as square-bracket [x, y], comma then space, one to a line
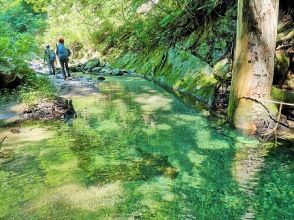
[6, 156]
[101, 78]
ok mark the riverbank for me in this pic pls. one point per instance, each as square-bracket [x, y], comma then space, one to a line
[85, 83]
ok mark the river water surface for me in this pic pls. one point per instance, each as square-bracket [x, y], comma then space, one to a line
[135, 151]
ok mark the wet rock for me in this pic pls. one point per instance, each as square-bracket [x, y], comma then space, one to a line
[117, 72]
[46, 110]
[92, 64]
[101, 78]
[97, 69]
[131, 72]
[106, 71]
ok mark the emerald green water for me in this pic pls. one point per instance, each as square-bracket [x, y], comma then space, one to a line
[136, 152]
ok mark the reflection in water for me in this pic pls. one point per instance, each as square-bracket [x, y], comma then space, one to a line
[70, 113]
[249, 161]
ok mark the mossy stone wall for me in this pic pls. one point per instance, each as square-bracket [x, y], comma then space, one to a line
[178, 69]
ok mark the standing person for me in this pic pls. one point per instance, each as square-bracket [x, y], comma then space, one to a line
[63, 54]
[50, 58]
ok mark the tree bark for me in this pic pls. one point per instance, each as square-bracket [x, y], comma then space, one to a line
[253, 66]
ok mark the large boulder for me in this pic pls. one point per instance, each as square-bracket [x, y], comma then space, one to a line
[106, 71]
[7, 74]
[6, 79]
[92, 64]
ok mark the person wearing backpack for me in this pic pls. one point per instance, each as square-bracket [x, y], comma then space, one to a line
[63, 54]
[50, 58]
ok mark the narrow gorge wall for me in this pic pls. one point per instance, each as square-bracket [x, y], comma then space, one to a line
[190, 66]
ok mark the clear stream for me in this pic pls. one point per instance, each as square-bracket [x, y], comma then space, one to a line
[136, 152]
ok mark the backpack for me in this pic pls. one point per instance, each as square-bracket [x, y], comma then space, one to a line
[52, 56]
[62, 51]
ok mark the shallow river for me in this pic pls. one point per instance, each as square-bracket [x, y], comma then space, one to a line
[136, 152]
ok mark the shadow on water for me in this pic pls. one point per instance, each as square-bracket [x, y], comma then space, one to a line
[138, 152]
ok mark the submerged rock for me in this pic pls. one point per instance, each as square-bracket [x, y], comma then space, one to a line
[6, 156]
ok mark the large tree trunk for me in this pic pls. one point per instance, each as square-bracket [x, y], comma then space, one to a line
[253, 67]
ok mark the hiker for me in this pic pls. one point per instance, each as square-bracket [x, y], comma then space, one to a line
[63, 54]
[50, 58]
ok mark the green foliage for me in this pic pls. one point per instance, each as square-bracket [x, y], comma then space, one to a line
[37, 88]
[18, 26]
[116, 26]
[203, 50]
[39, 5]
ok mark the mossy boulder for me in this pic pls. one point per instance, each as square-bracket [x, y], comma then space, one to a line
[92, 64]
[7, 74]
[222, 70]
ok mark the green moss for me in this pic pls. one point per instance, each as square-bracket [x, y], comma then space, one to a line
[192, 40]
[282, 95]
[203, 50]
[175, 68]
[37, 88]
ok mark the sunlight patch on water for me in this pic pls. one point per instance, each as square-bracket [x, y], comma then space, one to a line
[156, 193]
[195, 158]
[17, 136]
[152, 103]
[76, 196]
[108, 125]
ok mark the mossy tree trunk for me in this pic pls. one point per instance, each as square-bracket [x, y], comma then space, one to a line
[253, 66]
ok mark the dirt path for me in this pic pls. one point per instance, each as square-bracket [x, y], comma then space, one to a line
[75, 86]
